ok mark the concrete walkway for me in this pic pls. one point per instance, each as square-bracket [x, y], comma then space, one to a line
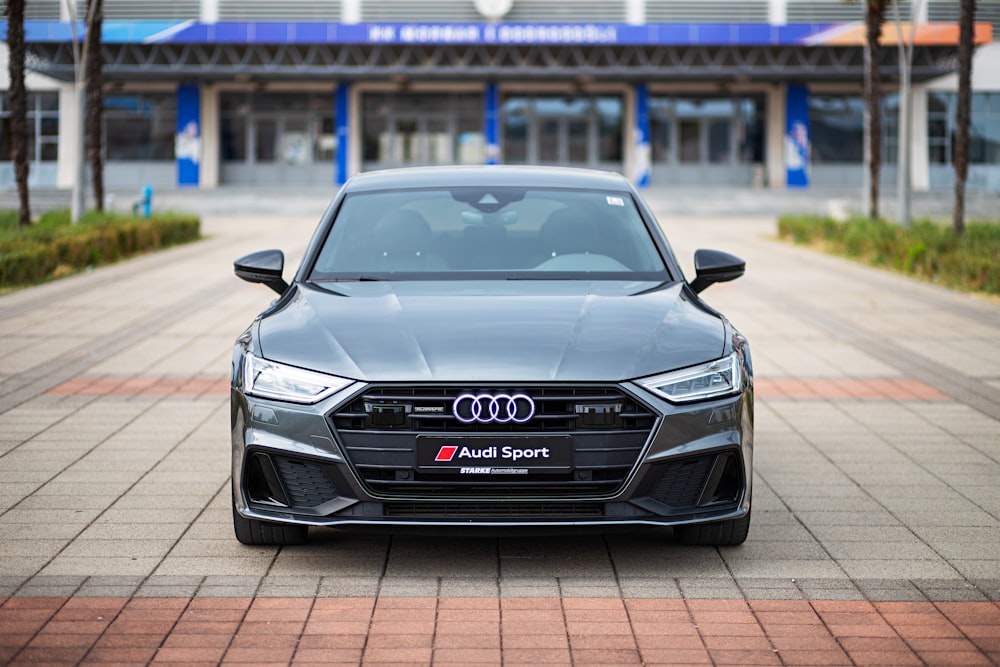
[875, 535]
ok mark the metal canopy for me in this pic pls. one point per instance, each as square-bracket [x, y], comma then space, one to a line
[284, 62]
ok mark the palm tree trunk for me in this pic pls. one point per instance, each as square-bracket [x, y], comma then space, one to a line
[95, 99]
[961, 158]
[874, 15]
[18, 106]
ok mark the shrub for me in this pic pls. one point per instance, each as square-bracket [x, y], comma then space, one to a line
[927, 250]
[53, 247]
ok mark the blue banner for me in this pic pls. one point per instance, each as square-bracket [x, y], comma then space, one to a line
[797, 139]
[642, 149]
[341, 116]
[187, 145]
[491, 123]
[612, 34]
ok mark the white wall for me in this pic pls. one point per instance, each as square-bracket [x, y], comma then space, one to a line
[985, 71]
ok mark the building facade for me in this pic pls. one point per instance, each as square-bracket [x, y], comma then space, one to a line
[738, 92]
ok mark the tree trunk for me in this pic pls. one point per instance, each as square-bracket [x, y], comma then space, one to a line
[95, 99]
[18, 106]
[874, 15]
[961, 157]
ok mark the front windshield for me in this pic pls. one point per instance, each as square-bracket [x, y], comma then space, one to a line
[489, 233]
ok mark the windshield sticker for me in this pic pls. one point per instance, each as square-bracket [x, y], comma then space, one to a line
[615, 201]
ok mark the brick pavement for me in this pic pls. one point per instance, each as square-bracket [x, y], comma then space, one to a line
[875, 539]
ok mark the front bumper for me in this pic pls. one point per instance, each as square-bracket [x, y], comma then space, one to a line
[676, 465]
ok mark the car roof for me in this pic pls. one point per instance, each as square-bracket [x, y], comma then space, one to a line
[487, 175]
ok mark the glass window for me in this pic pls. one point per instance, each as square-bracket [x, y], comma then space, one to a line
[265, 137]
[609, 110]
[718, 141]
[690, 141]
[837, 128]
[516, 114]
[660, 121]
[43, 127]
[984, 128]
[752, 130]
[140, 126]
[505, 231]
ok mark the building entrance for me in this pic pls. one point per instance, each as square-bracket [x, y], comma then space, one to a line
[559, 130]
[415, 129]
[707, 139]
[277, 138]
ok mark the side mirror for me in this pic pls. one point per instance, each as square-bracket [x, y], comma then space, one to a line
[264, 267]
[715, 266]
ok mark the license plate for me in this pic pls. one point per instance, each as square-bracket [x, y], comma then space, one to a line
[503, 455]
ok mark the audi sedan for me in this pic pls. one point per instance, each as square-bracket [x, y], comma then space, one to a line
[491, 346]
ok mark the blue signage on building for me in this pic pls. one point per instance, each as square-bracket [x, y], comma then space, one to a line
[187, 145]
[797, 140]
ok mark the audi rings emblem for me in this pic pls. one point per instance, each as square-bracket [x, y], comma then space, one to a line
[493, 408]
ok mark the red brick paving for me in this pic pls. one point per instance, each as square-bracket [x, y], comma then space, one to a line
[789, 388]
[489, 631]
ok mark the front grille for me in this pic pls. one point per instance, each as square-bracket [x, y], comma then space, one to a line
[606, 429]
[494, 510]
[305, 482]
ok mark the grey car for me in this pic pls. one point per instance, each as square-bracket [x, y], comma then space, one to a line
[491, 347]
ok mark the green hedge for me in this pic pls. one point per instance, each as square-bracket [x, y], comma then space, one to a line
[927, 250]
[53, 247]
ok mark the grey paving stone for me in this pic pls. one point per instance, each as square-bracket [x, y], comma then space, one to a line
[529, 587]
[289, 586]
[9, 584]
[348, 587]
[890, 590]
[637, 587]
[409, 587]
[708, 588]
[465, 587]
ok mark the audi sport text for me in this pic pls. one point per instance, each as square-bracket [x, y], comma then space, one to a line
[449, 453]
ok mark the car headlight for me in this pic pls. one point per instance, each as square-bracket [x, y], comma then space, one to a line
[716, 378]
[269, 379]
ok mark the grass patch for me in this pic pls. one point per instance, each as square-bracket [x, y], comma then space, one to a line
[52, 247]
[927, 250]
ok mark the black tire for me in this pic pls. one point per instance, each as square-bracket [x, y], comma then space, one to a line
[719, 534]
[262, 533]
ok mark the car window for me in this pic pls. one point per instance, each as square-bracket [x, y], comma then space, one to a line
[504, 232]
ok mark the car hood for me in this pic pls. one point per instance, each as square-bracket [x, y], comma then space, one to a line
[501, 331]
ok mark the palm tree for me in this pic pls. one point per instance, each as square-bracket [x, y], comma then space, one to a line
[874, 17]
[94, 63]
[18, 106]
[961, 159]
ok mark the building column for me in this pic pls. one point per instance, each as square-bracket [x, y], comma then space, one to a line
[920, 166]
[797, 140]
[774, 131]
[187, 143]
[640, 140]
[210, 132]
[342, 116]
[491, 123]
